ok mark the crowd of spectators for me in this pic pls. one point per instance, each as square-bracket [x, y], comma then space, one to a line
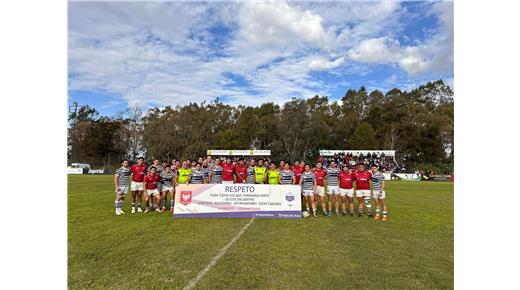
[386, 163]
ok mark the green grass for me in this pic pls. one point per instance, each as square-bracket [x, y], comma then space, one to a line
[413, 250]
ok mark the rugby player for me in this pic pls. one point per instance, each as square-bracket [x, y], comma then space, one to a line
[320, 186]
[260, 172]
[136, 186]
[197, 175]
[241, 171]
[168, 182]
[363, 178]
[298, 170]
[151, 192]
[378, 191]
[251, 172]
[286, 175]
[228, 171]
[308, 184]
[282, 164]
[215, 174]
[333, 186]
[183, 174]
[346, 189]
[272, 174]
[205, 170]
[121, 181]
[158, 172]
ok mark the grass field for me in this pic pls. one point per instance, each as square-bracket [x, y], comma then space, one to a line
[413, 250]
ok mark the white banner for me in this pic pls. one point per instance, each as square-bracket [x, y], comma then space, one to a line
[356, 152]
[71, 170]
[237, 200]
[239, 152]
[408, 176]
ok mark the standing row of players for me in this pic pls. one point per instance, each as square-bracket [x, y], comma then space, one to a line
[158, 181]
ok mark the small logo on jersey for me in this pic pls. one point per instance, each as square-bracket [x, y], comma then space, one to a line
[185, 197]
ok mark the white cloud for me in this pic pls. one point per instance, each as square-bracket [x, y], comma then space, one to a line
[165, 53]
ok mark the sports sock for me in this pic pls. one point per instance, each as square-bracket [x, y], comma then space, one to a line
[377, 211]
[117, 204]
[132, 204]
[163, 202]
[121, 204]
[352, 211]
[308, 210]
[171, 203]
[360, 210]
[368, 205]
[384, 212]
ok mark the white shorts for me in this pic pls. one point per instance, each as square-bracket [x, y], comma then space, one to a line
[135, 186]
[320, 190]
[363, 192]
[152, 191]
[347, 192]
[377, 196]
[169, 189]
[333, 189]
[227, 182]
[308, 192]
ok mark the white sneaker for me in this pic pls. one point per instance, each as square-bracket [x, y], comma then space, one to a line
[146, 210]
[157, 210]
[118, 212]
[139, 209]
[133, 209]
[121, 211]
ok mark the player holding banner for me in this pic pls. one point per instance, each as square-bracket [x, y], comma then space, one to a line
[241, 172]
[251, 172]
[228, 171]
[286, 175]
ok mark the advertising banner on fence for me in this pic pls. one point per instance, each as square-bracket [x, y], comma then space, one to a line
[239, 152]
[237, 200]
[408, 177]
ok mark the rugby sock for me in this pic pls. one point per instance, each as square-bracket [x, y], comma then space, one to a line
[117, 204]
[384, 212]
[308, 210]
[132, 204]
[352, 211]
[163, 202]
[171, 203]
[368, 205]
[361, 210]
[377, 211]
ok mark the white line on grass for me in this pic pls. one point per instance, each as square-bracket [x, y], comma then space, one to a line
[217, 257]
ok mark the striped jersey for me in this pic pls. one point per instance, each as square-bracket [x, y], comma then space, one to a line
[197, 176]
[377, 181]
[250, 175]
[123, 176]
[205, 171]
[216, 174]
[287, 176]
[307, 180]
[332, 176]
[167, 178]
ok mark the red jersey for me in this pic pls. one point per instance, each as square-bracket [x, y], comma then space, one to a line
[297, 173]
[363, 180]
[320, 175]
[138, 172]
[346, 179]
[228, 170]
[241, 171]
[151, 181]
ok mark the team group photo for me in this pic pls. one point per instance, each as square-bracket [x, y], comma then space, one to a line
[260, 145]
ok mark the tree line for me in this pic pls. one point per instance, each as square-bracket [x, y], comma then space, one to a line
[418, 124]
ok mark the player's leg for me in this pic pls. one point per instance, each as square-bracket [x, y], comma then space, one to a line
[383, 204]
[164, 198]
[336, 201]
[377, 208]
[329, 199]
[172, 199]
[306, 198]
[360, 205]
[157, 197]
[139, 200]
[132, 201]
[313, 204]
[147, 201]
[368, 203]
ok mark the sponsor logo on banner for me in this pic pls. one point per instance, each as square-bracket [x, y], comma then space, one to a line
[186, 197]
[289, 197]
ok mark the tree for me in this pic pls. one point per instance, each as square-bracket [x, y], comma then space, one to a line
[364, 137]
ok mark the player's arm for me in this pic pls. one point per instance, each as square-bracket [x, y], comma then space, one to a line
[293, 179]
[382, 185]
[210, 174]
[279, 179]
[115, 181]
[314, 185]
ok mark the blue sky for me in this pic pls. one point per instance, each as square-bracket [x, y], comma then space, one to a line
[146, 54]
